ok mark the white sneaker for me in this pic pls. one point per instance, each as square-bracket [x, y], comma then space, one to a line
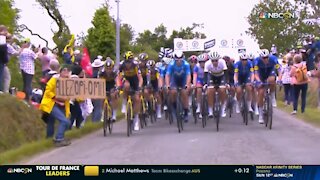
[165, 107]
[256, 110]
[274, 102]
[124, 108]
[294, 113]
[250, 109]
[136, 124]
[223, 110]
[159, 112]
[261, 119]
[210, 112]
[237, 107]
[198, 109]
[200, 116]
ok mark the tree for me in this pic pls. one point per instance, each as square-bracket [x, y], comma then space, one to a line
[8, 14]
[62, 36]
[126, 37]
[101, 37]
[283, 32]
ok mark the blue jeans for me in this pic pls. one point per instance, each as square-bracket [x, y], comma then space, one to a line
[27, 84]
[59, 114]
[97, 110]
[296, 92]
[50, 126]
[1, 76]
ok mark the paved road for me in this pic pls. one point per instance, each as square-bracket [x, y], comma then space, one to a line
[289, 142]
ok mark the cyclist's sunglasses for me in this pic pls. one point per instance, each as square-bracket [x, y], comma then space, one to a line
[244, 59]
[214, 60]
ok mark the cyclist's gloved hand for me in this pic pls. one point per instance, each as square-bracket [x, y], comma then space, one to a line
[236, 84]
[258, 83]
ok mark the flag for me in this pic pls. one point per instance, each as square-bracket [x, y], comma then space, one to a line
[85, 62]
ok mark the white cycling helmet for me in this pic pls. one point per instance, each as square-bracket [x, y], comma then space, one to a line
[250, 56]
[158, 65]
[264, 53]
[202, 58]
[243, 56]
[151, 63]
[167, 60]
[178, 55]
[213, 55]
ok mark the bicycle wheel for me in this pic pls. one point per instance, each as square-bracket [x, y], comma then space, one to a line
[129, 119]
[270, 115]
[244, 109]
[110, 122]
[178, 114]
[194, 108]
[105, 122]
[204, 110]
[142, 119]
[150, 106]
[217, 110]
[154, 109]
[230, 105]
[266, 110]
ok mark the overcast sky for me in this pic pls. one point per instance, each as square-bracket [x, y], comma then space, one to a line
[222, 19]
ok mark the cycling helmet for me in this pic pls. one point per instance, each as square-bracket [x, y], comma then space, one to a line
[159, 65]
[178, 55]
[193, 58]
[151, 63]
[128, 55]
[243, 56]
[213, 55]
[264, 53]
[250, 56]
[165, 52]
[109, 63]
[202, 58]
[143, 56]
[167, 60]
[226, 58]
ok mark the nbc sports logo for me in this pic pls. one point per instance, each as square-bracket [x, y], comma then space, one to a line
[263, 15]
[10, 170]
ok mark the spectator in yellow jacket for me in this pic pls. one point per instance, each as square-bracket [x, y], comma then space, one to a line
[58, 108]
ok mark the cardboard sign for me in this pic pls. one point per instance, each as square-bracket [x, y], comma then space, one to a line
[81, 88]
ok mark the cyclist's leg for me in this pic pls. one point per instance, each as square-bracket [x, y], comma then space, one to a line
[255, 100]
[156, 94]
[136, 103]
[126, 89]
[249, 96]
[272, 81]
[198, 96]
[223, 97]
[114, 104]
[211, 92]
[185, 100]
[239, 95]
[261, 94]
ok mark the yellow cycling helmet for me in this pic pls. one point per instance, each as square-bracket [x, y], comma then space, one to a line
[128, 55]
[109, 63]
[143, 56]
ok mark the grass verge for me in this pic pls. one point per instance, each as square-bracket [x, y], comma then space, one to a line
[311, 114]
[30, 149]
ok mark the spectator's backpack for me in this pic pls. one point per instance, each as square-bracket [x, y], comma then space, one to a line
[301, 73]
[44, 80]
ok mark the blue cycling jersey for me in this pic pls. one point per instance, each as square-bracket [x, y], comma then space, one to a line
[163, 70]
[178, 74]
[266, 70]
[200, 73]
[243, 70]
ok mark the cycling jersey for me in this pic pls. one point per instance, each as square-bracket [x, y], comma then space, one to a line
[215, 70]
[200, 74]
[266, 70]
[230, 72]
[163, 70]
[178, 74]
[129, 69]
[110, 79]
[244, 71]
[154, 76]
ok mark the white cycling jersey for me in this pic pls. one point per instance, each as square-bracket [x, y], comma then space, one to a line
[215, 70]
